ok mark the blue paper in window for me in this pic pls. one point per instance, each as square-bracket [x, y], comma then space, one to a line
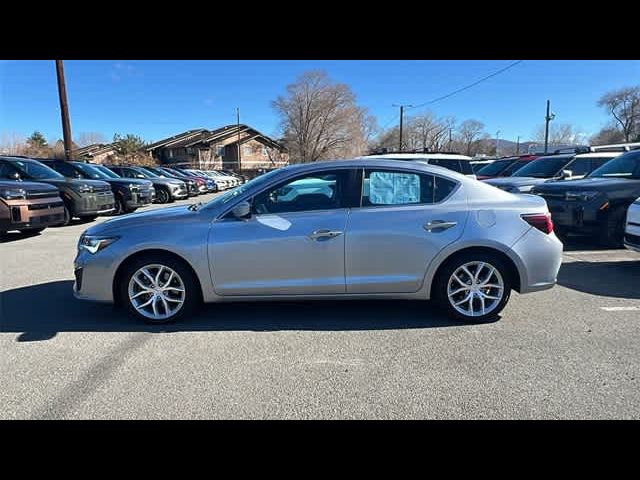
[389, 188]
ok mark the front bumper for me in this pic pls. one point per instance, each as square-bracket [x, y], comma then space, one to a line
[577, 216]
[95, 203]
[179, 193]
[18, 214]
[140, 199]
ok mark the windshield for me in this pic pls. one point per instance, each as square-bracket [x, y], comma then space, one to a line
[90, 171]
[624, 166]
[545, 167]
[494, 168]
[36, 170]
[231, 194]
[106, 171]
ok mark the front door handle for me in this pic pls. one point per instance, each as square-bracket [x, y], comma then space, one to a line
[439, 225]
[324, 234]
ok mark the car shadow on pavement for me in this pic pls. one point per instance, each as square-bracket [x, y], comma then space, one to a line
[608, 279]
[15, 236]
[39, 312]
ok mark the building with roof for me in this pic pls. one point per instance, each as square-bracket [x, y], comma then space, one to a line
[97, 152]
[219, 149]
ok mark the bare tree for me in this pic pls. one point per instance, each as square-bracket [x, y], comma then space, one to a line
[607, 135]
[559, 134]
[12, 143]
[468, 133]
[624, 106]
[320, 119]
[90, 138]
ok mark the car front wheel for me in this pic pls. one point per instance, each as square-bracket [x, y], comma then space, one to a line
[158, 289]
[473, 287]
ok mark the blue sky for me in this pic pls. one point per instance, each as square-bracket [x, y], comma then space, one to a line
[156, 99]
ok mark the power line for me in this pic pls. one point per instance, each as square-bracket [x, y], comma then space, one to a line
[470, 85]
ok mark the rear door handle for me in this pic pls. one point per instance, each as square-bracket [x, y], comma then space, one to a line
[324, 234]
[439, 225]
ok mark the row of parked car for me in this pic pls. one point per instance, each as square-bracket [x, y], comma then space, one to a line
[590, 191]
[38, 193]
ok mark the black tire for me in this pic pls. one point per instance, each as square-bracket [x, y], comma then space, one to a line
[193, 295]
[120, 207]
[32, 231]
[68, 215]
[440, 290]
[612, 233]
[88, 218]
[163, 196]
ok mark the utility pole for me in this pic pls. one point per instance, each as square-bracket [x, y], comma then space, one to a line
[450, 139]
[518, 146]
[550, 116]
[401, 121]
[239, 155]
[64, 110]
[497, 139]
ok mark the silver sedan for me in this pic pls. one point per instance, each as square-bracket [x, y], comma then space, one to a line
[361, 228]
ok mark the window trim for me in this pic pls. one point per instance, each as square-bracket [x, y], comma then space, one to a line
[404, 205]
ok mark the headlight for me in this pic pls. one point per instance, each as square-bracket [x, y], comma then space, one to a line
[84, 189]
[13, 194]
[525, 189]
[94, 243]
[133, 187]
[585, 196]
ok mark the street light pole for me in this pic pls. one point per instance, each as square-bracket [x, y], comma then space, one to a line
[64, 110]
[239, 155]
[518, 146]
[550, 116]
[401, 121]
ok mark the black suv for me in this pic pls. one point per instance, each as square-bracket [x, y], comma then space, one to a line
[85, 199]
[130, 194]
[597, 204]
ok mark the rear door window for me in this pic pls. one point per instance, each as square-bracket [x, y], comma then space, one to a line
[383, 187]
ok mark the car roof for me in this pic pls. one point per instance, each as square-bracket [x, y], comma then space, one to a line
[600, 155]
[419, 156]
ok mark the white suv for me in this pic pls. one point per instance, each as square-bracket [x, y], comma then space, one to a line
[452, 161]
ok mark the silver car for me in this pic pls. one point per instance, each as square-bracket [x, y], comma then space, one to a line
[371, 229]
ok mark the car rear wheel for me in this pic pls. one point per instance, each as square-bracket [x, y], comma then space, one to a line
[67, 215]
[88, 218]
[473, 287]
[158, 289]
[612, 234]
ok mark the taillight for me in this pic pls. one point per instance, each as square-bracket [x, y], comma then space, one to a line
[541, 221]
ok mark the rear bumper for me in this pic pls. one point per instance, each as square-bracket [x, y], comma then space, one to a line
[538, 257]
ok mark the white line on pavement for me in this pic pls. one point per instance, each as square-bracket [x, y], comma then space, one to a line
[621, 309]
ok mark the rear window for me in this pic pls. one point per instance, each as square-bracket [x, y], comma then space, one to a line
[460, 166]
[494, 168]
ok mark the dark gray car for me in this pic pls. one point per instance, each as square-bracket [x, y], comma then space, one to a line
[167, 189]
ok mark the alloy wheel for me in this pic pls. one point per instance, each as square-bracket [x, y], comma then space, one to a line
[475, 288]
[156, 291]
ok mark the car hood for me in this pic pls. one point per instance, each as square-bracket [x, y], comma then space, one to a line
[28, 185]
[596, 183]
[170, 216]
[167, 181]
[75, 182]
[129, 181]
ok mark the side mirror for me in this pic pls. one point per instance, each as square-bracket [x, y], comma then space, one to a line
[566, 174]
[242, 211]
[14, 176]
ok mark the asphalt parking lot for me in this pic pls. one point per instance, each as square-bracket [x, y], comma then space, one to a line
[570, 352]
